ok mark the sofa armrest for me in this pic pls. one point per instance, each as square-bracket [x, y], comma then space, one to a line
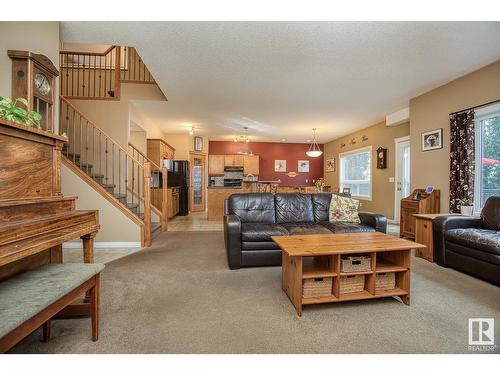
[376, 221]
[443, 223]
[232, 239]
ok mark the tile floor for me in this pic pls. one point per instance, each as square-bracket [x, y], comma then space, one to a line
[195, 221]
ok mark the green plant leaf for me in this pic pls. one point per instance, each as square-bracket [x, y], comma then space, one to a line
[22, 100]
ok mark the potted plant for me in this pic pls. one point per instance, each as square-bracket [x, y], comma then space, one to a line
[466, 206]
[9, 110]
[320, 184]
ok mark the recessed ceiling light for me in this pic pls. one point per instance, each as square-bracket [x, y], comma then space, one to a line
[283, 140]
[308, 141]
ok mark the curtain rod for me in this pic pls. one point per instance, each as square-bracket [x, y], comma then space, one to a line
[475, 107]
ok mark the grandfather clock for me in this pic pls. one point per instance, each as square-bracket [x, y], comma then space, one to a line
[34, 78]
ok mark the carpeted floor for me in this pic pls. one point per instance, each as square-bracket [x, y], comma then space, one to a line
[180, 297]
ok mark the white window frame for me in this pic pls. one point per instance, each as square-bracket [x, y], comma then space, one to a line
[358, 151]
[479, 115]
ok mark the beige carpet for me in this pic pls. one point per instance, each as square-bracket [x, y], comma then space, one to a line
[180, 297]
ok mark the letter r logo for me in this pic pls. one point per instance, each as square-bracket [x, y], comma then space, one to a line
[481, 331]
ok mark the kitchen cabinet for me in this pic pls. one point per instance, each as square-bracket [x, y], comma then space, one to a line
[251, 165]
[233, 160]
[172, 202]
[158, 150]
[216, 165]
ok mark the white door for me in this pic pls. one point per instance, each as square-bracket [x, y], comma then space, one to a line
[402, 178]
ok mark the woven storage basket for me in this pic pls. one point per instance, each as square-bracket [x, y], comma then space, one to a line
[318, 287]
[356, 264]
[352, 284]
[385, 281]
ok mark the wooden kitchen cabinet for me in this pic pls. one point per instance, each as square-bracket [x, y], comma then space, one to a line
[233, 160]
[251, 165]
[172, 202]
[158, 150]
[216, 165]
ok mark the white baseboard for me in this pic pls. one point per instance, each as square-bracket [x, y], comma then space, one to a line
[390, 221]
[102, 245]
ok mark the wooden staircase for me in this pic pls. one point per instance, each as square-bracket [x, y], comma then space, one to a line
[99, 75]
[111, 170]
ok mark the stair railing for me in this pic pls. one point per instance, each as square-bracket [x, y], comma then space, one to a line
[135, 71]
[159, 203]
[109, 164]
[91, 74]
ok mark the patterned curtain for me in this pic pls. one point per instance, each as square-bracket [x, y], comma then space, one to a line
[462, 160]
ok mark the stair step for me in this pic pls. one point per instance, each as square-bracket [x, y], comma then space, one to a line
[120, 197]
[73, 156]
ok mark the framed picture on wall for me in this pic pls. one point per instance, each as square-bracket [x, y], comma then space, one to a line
[331, 165]
[198, 143]
[432, 140]
[303, 166]
[280, 165]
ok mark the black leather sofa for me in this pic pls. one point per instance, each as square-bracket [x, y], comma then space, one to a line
[470, 244]
[251, 219]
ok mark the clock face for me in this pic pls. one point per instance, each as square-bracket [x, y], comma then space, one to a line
[42, 84]
[380, 154]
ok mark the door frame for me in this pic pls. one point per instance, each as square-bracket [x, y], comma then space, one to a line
[397, 204]
[203, 156]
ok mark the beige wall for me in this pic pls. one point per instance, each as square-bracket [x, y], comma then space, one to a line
[139, 140]
[115, 226]
[183, 144]
[38, 37]
[114, 116]
[378, 135]
[430, 111]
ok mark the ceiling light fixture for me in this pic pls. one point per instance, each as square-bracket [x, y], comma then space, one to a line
[314, 150]
[246, 140]
[191, 130]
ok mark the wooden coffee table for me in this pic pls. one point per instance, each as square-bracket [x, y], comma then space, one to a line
[319, 256]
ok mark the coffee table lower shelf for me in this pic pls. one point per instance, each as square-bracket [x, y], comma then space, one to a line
[297, 269]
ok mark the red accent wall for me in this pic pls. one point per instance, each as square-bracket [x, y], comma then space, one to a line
[268, 152]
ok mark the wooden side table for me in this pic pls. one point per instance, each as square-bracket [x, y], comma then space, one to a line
[424, 236]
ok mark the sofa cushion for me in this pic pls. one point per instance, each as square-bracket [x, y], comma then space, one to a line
[293, 208]
[481, 239]
[344, 209]
[257, 232]
[305, 228]
[491, 213]
[345, 227]
[252, 207]
[263, 245]
[321, 206]
[472, 253]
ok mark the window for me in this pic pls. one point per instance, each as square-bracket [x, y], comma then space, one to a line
[487, 143]
[355, 172]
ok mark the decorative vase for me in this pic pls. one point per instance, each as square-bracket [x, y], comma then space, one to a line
[319, 189]
[467, 210]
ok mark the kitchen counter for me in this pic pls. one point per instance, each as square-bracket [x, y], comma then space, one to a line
[215, 200]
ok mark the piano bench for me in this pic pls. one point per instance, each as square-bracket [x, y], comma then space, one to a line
[31, 299]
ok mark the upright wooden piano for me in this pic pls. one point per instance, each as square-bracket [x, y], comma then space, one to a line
[35, 218]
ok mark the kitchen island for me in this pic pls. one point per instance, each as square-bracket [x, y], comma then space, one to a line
[215, 199]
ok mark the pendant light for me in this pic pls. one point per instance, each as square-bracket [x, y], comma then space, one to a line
[314, 150]
[247, 141]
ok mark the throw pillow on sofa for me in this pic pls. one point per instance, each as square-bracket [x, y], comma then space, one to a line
[344, 209]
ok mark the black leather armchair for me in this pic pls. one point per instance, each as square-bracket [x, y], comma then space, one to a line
[252, 219]
[470, 244]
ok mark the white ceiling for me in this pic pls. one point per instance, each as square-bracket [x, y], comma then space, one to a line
[283, 78]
